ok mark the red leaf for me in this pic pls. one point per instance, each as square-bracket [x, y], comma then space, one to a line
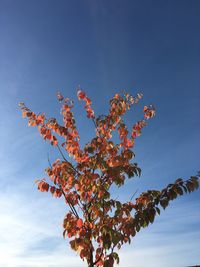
[81, 94]
[79, 223]
[57, 193]
[43, 186]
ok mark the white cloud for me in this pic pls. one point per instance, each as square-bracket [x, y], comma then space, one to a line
[27, 230]
[31, 236]
[173, 240]
[31, 230]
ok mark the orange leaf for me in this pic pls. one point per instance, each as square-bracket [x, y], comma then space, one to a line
[79, 223]
[81, 94]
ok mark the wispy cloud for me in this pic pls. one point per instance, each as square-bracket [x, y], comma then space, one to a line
[31, 225]
[31, 236]
[173, 240]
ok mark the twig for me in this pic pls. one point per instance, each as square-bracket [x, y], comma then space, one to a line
[134, 194]
[72, 167]
[70, 204]
[49, 160]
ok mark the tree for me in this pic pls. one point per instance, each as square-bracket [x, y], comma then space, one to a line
[97, 224]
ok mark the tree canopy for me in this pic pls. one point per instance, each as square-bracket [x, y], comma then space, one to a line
[96, 223]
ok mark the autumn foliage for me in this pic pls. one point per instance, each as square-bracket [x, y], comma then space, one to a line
[96, 224]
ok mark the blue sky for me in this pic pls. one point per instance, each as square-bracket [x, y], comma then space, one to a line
[105, 46]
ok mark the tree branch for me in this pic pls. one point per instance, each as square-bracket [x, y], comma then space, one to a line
[71, 166]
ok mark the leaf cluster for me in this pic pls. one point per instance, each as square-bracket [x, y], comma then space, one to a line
[97, 224]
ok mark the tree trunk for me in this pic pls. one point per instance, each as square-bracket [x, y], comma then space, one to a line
[90, 260]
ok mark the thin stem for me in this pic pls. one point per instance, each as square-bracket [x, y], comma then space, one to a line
[71, 166]
[49, 160]
[94, 123]
[134, 194]
[70, 205]
[99, 257]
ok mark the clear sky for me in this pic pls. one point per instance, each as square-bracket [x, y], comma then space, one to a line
[105, 46]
